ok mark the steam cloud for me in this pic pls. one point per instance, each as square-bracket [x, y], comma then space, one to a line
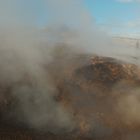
[26, 51]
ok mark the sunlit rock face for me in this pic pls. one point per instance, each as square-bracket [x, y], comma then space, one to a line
[96, 92]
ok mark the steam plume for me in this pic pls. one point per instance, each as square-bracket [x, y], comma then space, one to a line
[27, 52]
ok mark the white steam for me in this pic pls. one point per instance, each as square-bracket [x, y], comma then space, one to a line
[26, 50]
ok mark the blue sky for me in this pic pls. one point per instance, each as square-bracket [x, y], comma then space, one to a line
[118, 17]
[121, 17]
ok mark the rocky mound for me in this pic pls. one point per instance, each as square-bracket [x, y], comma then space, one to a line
[94, 92]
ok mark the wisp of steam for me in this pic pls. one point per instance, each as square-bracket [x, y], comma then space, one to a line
[27, 47]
